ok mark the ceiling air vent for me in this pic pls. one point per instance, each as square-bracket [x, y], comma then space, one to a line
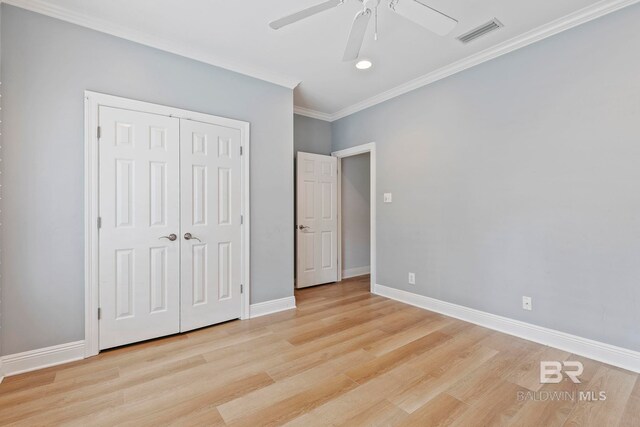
[492, 25]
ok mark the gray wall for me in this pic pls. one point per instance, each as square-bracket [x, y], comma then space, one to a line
[520, 176]
[46, 66]
[356, 215]
[1, 185]
[311, 135]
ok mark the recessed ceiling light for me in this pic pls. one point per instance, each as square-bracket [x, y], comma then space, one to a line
[364, 64]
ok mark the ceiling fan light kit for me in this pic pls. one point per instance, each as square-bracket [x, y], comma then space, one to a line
[364, 64]
[413, 10]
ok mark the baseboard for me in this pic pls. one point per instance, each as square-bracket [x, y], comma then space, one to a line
[28, 361]
[355, 272]
[606, 353]
[273, 306]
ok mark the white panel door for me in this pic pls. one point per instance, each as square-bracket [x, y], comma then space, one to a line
[317, 220]
[139, 210]
[210, 170]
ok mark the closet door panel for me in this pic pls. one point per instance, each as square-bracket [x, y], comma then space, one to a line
[211, 196]
[139, 267]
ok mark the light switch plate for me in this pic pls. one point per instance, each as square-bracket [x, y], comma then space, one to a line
[388, 197]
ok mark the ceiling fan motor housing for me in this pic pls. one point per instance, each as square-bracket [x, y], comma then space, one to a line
[370, 4]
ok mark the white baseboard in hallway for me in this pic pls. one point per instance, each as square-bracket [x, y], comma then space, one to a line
[28, 361]
[273, 306]
[607, 353]
[355, 272]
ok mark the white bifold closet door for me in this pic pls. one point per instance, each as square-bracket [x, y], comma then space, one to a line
[210, 158]
[317, 219]
[139, 209]
[170, 213]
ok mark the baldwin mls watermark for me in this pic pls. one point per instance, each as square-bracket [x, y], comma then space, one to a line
[554, 372]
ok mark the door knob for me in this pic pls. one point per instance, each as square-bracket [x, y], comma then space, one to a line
[189, 236]
[171, 237]
[303, 227]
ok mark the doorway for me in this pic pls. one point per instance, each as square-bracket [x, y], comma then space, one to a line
[355, 220]
[167, 243]
[347, 155]
[319, 212]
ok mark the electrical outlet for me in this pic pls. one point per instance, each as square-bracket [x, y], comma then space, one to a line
[412, 278]
[388, 197]
[526, 303]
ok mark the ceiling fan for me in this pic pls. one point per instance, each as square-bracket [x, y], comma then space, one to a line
[413, 10]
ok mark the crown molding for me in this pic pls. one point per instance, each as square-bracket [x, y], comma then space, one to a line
[572, 20]
[579, 17]
[166, 45]
[301, 111]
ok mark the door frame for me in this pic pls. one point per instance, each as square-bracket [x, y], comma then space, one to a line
[92, 102]
[348, 152]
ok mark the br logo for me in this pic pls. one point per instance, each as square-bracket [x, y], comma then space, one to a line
[551, 372]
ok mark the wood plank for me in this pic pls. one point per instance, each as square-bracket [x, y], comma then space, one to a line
[497, 408]
[631, 416]
[397, 340]
[381, 414]
[298, 404]
[440, 411]
[436, 379]
[388, 361]
[352, 403]
[168, 405]
[526, 372]
[309, 360]
[618, 386]
[288, 387]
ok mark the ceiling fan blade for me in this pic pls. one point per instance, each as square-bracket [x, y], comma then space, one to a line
[295, 17]
[424, 16]
[356, 36]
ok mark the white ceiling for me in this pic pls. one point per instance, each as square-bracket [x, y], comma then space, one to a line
[235, 34]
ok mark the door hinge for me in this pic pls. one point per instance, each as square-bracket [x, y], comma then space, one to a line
[242, 289]
[99, 222]
[99, 132]
[99, 313]
[241, 150]
[241, 219]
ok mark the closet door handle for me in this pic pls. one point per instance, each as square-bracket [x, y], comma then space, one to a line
[171, 237]
[189, 236]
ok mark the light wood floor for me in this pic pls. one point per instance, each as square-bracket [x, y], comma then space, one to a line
[344, 357]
